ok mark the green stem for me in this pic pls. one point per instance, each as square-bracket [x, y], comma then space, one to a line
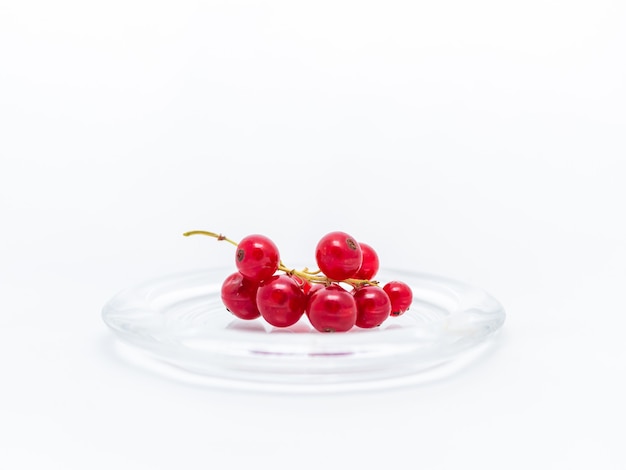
[218, 236]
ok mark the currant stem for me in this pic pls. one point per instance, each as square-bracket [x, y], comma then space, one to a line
[218, 236]
[312, 276]
[321, 279]
[306, 270]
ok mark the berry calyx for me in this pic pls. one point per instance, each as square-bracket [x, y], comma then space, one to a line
[338, 255]
[400, 295]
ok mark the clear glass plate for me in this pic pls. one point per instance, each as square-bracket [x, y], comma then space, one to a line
[180, 320]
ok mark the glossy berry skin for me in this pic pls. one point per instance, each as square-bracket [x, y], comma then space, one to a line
[373, 306]
[338, 255]
[302, 283]
[400, 295]
[257, 257]
[312, 288]
[369, 265]
[332, 309]
[239, 296]
[281, 301]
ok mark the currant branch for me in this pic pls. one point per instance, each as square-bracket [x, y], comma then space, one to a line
[218, 236]
[304, 274]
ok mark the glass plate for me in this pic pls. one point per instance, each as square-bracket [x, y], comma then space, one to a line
[180, 320]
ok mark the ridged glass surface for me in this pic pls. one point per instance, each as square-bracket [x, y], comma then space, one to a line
[180, 319]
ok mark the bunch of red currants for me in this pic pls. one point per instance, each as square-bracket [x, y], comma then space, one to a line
[342, 293]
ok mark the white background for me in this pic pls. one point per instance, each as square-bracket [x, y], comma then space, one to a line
[481, 140]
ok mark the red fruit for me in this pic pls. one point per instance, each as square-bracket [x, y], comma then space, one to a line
[257, 257]
[313, 287]
[239, 296]
[281, 301]
[373, 306]
[370, 263]
[302, 283]
[332, 309]
[338, 256]
[400, 295]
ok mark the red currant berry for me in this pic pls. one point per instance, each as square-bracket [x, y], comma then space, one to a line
[338, 255]
[332, 309]
[302, 283]
[239, 296]
[400, 295]
[281, 301]
[313, 287]
[257, 257]
[372, 305]
[370, 263]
